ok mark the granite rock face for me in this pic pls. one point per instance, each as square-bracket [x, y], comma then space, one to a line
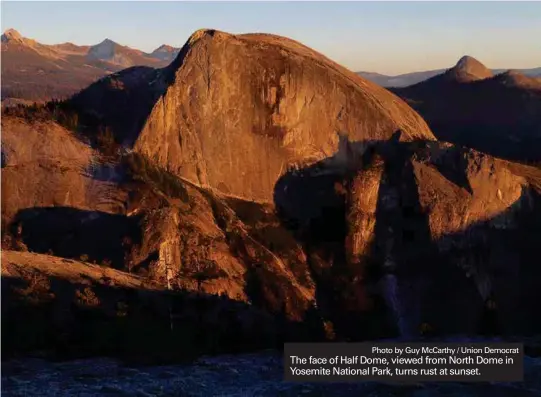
[362, 207]
[46, 165]
[242, 109]
[447, 229]
[468, 69]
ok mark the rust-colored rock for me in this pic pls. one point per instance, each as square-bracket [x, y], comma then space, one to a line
[45, 165]
[468, 69]
[361, 207]
[460, 187]
[243, 108]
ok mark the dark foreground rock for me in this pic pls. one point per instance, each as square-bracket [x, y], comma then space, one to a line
[243, 375]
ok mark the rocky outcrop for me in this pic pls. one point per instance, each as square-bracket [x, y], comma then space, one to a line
[45, 165]
[59, 196]
[460, 187]
[442, 230]
[243, 108]
[468, 69]
[361, 211]
[206, 244]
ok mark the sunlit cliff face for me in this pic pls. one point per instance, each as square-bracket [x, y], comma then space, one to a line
[243, 109]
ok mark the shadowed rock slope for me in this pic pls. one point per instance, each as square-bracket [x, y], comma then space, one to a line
[62, 197]
[68, 309]
[500, 114]
[419, 233]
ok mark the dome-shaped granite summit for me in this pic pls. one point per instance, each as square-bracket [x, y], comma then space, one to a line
[469, 69]
[240, 109]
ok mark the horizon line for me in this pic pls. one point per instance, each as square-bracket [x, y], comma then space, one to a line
[442, 69]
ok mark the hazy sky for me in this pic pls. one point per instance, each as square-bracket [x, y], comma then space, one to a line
[385, 37]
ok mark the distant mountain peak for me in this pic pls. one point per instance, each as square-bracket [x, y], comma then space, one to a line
[107, 43]
[470, 69]
[103, 50]
[467, 61]
[165, 48]
[14, 37]
[11, 34]
[165, 52]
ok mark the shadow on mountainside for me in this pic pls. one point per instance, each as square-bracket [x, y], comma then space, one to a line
[68, 232]
[482, 279]
[493, 115]
[377, 268]
[60, 319]
[124, 100]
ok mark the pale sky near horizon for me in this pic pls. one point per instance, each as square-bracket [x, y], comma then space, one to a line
[384, 37]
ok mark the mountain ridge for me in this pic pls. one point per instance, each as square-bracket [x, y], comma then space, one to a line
[410, 78]
[40, 72]
[14, 35]
[498, 114]
[118, 56]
